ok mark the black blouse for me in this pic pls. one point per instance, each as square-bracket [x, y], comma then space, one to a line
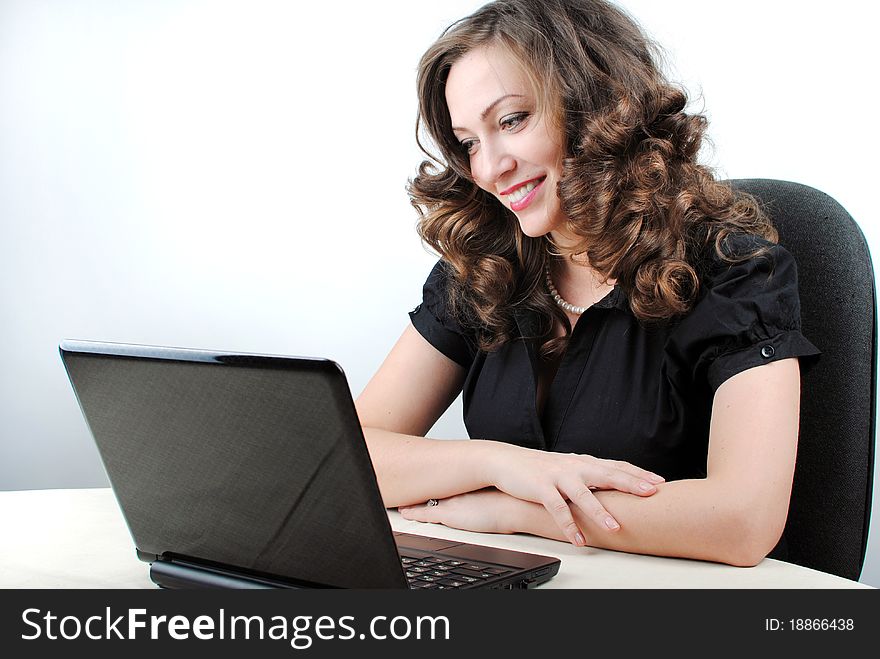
[623, 391]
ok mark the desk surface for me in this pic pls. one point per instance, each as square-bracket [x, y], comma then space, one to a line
[78, 539]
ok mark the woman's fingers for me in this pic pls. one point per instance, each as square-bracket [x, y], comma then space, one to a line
[430, 511]
[638, 472]
[615, 479]
[599, 474]
[581, 496]
[561, 513]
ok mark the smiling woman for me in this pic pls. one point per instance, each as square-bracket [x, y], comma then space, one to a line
[171, 163]
[629, 369]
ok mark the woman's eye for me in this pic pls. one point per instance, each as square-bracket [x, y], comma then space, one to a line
[513, 120]
[468, 146]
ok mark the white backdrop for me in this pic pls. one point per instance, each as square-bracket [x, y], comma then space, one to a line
[231, 175]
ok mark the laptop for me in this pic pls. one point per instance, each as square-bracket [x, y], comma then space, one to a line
[251, 471]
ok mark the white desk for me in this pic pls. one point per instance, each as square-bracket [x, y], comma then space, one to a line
[78, 539]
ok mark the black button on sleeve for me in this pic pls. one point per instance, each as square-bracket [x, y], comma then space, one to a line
[748, 315]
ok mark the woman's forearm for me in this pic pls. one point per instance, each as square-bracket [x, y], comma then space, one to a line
[686, 519]
[412, 469]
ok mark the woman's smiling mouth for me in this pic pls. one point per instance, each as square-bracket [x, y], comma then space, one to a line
[522, 196]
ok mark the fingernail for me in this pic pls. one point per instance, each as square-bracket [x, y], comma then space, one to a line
[646, 487]
[654, 478]
[579, 540]
[611, 523]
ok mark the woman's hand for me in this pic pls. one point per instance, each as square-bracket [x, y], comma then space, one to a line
[486, 511]
[555, 479]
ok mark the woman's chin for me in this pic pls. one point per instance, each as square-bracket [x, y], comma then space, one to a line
[534, 223]
[534, 229]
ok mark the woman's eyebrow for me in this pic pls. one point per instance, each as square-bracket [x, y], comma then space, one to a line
[485, 113]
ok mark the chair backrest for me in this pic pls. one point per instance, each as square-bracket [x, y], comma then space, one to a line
[830, 509]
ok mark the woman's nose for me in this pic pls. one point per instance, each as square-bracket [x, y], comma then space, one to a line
[494, 163]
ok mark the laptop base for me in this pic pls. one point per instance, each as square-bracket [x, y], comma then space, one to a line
[173, 575]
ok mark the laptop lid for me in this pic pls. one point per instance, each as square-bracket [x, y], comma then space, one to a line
[230, 465]
[256, 462]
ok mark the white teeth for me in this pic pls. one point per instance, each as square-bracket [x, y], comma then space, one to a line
[520, 193]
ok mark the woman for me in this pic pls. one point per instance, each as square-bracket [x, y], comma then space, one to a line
[623, 328]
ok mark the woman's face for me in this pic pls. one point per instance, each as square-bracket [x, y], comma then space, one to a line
[514, 153]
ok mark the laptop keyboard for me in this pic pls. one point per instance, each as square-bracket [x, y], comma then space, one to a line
[432, 572]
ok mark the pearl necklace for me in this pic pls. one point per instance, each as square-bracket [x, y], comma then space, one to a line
[567, 306]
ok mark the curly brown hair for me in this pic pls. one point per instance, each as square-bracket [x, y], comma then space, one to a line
[645, 211]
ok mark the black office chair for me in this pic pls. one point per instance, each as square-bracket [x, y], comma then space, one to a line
[827, 526]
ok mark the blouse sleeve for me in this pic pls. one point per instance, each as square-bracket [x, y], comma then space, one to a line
[748, 315]
[436, 323]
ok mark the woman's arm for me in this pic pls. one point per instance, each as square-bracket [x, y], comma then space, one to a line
[412, 388]
[735, 515]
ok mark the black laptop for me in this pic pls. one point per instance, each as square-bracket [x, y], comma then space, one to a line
[251, 471]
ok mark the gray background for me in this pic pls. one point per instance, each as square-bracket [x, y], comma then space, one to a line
[231, 175]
